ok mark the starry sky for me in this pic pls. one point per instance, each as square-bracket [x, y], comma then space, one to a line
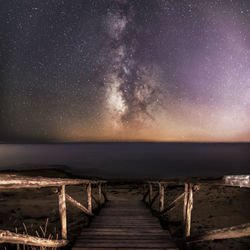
[124, 70]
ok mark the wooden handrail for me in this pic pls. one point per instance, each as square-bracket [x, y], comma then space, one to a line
[238, 231]
[16, 182]
[191, 186]
[14, 238]
[79, 205]
[228, 180]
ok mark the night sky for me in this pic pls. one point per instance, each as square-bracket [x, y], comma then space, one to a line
[152, 70]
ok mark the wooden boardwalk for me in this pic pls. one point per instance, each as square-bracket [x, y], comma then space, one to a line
[124, 225]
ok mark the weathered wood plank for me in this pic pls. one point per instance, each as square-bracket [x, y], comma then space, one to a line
[140, 230]
[129, 231]
[185, 204]
[100, 193]
[89, 193]
[238, 231]
[127, 244]
[96, 200]
[228, 180]
[13, 238]
[126, 233]
[104, 195]
[15, 181]
[153, 200]
[188, 206]
[172, 204]
[126, 226]
[161, 200]
[62, 211]
[78, 205]
[150, 193]
[123, 248]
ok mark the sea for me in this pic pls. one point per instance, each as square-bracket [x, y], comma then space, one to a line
[137, 160]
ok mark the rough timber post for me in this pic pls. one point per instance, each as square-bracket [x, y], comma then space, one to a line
[62, 211]
[89, 198]
[188, 206]
[185, 204]
[100, 193]
[161, 199]
[150, 194]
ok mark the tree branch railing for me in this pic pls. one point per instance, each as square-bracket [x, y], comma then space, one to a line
[190, 187]
[17, 182]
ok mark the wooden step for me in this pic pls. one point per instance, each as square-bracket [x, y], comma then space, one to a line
[124, 225]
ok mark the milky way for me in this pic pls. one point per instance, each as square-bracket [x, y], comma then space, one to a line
[125, 70]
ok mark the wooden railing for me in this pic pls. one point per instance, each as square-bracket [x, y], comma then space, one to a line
[190, 187]
[17, 182]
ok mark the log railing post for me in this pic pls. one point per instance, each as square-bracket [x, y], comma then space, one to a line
[104, 190]
[89, 198]
[161, 198]
[100, 193]
[188, 206]
[185, 204]
[62, 211]
[150, 194]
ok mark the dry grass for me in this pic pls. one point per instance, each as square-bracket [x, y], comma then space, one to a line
[42, 232]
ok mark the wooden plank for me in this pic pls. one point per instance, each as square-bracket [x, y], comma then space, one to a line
[126, 226]
[150, 193]
[153, 200]
[78, 205]
[96, 200]
[122, 248]
[172, 204]
[130, 222]
[126, 233]
[127, 222]
[188, 206]
[185, 204]
[13, 238]
[115, 230]
[105, 196]
[89, 198]
[62, 211]
[15, 181]
[100, 193]
[127, 217]
[126, 241]
[161, 200]
[238, 231]
[129, 231]
[124, 237]
[228, 180]
[136, 244]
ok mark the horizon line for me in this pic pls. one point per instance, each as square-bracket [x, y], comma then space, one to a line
[121, 141]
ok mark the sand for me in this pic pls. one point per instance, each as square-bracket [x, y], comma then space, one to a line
[214, 207]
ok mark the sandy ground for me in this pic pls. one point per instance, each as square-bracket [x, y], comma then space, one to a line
[214, 207]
